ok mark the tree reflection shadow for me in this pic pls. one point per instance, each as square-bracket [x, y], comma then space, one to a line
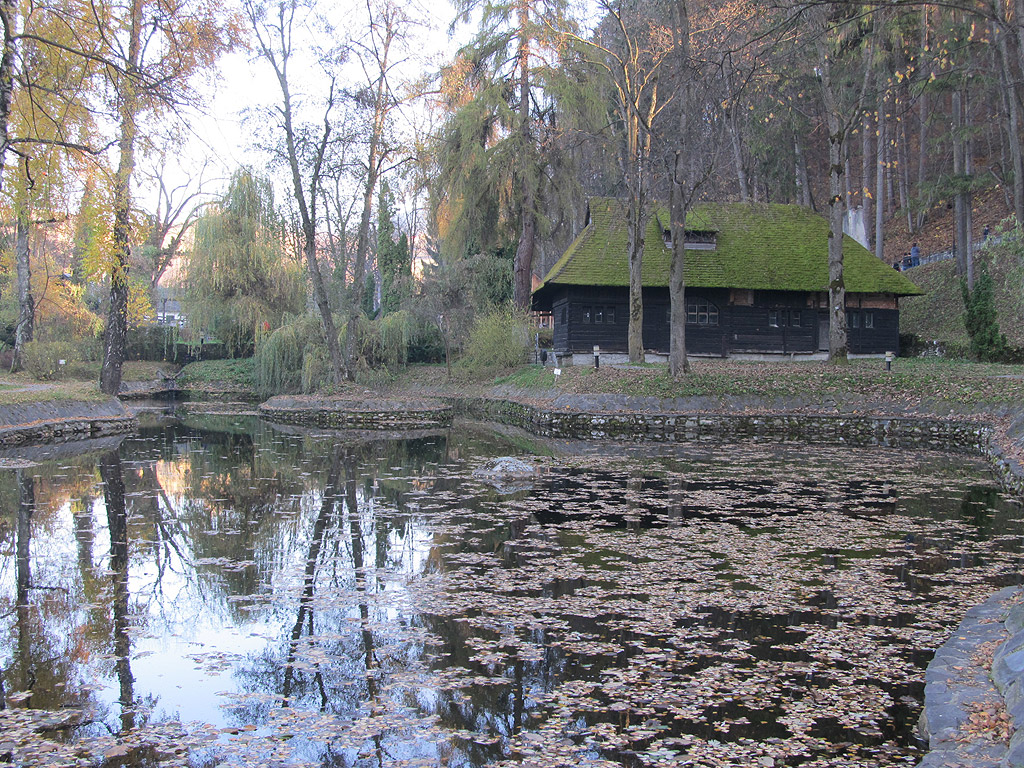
[117, 524]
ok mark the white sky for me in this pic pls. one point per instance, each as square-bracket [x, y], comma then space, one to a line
[245, 82]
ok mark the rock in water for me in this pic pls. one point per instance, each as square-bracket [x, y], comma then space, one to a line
[505, 467]
[507, 474]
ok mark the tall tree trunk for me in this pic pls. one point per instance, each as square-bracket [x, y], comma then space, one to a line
[525, 251]
[735, 136]
[25, 328]
[636, 230]
[8, 13]
[680, 197]
[1011, 94]
[961, 196]
[866, 155]
[880, 143]
[837, 340]
[837, 337]
[924, 114]
[322, 301]
[903, 163]
[117, 312]
[737, 150]
[924, 106]
[359, 265]
[803, 184]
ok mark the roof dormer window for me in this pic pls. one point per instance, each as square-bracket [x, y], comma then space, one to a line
[696, 239]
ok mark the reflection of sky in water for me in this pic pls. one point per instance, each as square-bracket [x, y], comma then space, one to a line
[444, 619]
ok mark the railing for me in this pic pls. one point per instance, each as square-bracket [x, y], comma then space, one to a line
[950, 253]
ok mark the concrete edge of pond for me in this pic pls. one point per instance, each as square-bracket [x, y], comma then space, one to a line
[54, 421]
[976, 681]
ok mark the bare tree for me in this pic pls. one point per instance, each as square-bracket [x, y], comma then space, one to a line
[387, 24]
[178, 206]
[305, 150]
[631, 50]
[693, 125]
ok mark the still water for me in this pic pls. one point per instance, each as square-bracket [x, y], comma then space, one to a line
[223, 592]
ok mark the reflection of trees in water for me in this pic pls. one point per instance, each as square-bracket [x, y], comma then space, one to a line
[23, 564]
[117, 525]
[41, 671]
[338, 653]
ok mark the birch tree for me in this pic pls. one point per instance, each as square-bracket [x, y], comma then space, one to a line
[152, 49]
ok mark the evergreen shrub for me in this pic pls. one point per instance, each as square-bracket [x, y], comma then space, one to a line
[987, 343]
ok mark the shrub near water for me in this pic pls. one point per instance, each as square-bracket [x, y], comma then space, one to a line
[498, 341]
[43, 358]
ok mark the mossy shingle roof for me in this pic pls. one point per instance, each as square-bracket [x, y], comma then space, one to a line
[758, 247]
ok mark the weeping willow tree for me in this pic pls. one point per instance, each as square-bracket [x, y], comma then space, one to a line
[240, 281]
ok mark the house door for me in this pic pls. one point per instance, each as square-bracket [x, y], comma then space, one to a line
[823, 332]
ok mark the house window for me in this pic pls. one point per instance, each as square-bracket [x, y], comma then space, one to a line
[869, 320]
[588, 314]
[853, 319]
[701, 312]
[609, 315]
[598, 314]
[773, 318]
[794, 318]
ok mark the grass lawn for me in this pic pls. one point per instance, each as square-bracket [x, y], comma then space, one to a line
[239, 373]
[81, 382]
[911, 380]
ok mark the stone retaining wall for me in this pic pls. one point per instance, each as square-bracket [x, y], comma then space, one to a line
[975, 673]
[359, 415]
[974, 437]
[58, 421]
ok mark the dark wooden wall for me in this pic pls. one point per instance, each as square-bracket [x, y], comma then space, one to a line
[741, 329]
[884, 337]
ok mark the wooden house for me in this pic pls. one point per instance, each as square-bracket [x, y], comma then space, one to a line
[756, 285]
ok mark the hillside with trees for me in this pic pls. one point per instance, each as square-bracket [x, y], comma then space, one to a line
[399, 206]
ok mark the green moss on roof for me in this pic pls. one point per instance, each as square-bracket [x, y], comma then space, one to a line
[759, 247]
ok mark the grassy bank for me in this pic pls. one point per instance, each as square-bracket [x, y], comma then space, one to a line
[80, 383]
[911, 381]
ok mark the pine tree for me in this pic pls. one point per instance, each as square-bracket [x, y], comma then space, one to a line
[987, 343]
[393, 259]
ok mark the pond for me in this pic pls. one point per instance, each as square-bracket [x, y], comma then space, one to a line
[222, 592]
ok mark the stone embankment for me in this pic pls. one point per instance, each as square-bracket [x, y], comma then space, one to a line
[59, 420]
[974, 689]
[359, 414]
[1000, 440]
